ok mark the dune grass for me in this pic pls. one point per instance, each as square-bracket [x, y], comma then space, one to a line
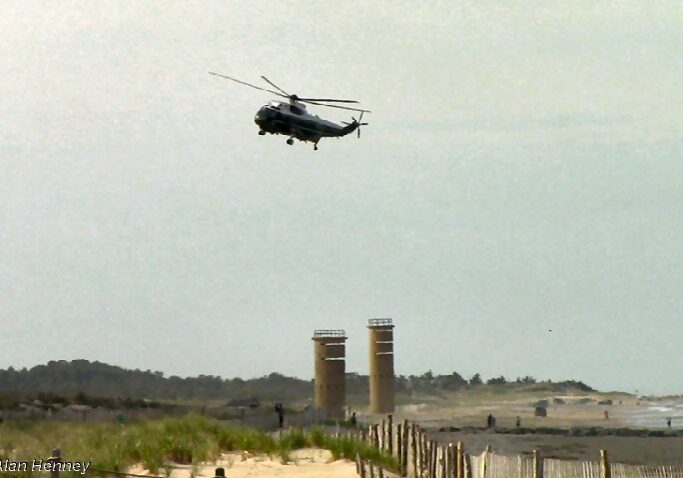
[156, 443]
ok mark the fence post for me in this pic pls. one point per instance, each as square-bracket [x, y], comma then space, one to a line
[435, 462]
[420, 448]
[382, 445]
[390, 429]
[413, 448]
[372, 469]
[538, 465]
[399, 448]
[467, 466]
[420, 453]
[604, 460]
[360, 466]
[451, 461]
[448, 460]
[459, 461]
[485, 461]
[454, 462]
[426, 457]
[55, 459]
[404, 457]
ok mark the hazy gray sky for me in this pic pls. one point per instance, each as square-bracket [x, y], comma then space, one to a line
[522, 172]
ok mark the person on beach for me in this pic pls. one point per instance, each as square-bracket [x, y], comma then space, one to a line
[518, 421]
[489, 421]
[668, 423]
[280, 410]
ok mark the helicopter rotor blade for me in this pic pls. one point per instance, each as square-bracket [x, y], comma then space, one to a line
[248, 84]
[335, 106]
[329, 100]
[275, 86]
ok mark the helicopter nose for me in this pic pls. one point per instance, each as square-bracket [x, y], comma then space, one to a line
[261, 116]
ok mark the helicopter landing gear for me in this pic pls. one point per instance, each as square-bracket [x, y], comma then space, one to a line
[290, 141]
[261, 133]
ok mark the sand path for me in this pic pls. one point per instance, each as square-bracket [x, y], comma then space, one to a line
[304, 463]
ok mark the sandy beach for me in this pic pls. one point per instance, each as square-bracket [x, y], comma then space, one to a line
[626, 411]
[575, 411]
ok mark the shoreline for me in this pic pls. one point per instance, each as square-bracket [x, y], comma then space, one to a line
[573, 431]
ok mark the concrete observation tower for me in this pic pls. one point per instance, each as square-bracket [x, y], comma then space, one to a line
[381, 365]
[330, 372]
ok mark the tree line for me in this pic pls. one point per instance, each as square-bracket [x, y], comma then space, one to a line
[97, 379]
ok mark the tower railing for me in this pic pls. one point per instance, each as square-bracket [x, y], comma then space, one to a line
[321, 333]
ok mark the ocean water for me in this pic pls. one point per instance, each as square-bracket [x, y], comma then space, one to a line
[654, 415]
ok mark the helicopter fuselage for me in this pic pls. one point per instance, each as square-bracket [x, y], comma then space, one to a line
[293, 120]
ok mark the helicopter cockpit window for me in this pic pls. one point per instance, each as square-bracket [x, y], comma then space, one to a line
[296, 110]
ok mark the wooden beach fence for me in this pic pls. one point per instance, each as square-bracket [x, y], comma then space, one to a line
[418, 456]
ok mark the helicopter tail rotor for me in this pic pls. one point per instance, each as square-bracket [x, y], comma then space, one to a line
[358, 123]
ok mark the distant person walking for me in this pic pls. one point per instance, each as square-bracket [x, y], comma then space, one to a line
[518, 422]
[606, 415]
[489, 421]
[280, 410]
[353, 421]
[668, 423]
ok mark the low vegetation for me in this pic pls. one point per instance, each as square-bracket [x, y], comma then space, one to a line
[157, 444]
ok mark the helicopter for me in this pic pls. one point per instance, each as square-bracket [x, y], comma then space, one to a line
[292, 119]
